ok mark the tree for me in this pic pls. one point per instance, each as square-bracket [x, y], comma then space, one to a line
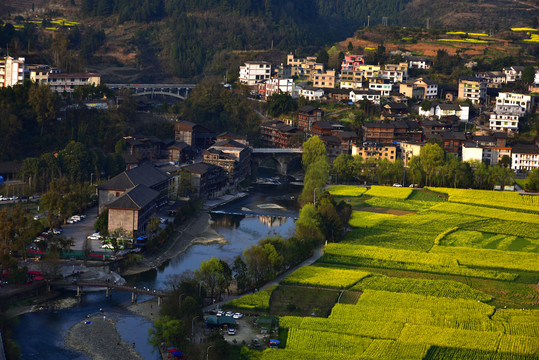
[329, 220]
[280, 103]
[432, 156]
[185, 186]
[322, 57]
[224, 282]
[314, 181]
[532, 182]
[152, 230]
[263, 262]
[528, 75]
[307, 226]
[505, 161]
[426, 105]
[313, 150]
[239, 270]
[168, 330]
[343, 168]
[350, 47]
[211, 275]
[102, 223]
[44, 103]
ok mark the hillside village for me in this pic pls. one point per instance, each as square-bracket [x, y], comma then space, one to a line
[473, 119]
[477, 119]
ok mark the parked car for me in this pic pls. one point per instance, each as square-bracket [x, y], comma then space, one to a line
[94, 236]
[229, 313]
[231, 331]
[38, 217]
[220, 313]
[57, 231]
[237, 315]
[397, 185]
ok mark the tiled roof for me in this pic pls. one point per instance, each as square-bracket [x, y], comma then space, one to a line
[145, 174]
[134, 199]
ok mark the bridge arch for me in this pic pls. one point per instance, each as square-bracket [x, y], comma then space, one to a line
[179, 91]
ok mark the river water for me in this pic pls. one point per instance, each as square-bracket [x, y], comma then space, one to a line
[267, 210]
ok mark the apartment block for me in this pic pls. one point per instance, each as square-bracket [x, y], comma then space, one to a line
[472, 88]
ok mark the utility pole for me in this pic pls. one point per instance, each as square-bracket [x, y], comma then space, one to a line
[428, 23]
[368, 20]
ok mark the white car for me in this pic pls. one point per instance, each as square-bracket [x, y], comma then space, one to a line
[229, 313]
[231, 331]
[397, 185]
[220, 313]
[94, 236]
[237, 315]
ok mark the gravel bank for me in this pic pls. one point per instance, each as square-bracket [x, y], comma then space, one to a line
[100, 340]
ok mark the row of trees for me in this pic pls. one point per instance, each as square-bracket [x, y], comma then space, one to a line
[432, 168]
[31, 123]
[75, 164]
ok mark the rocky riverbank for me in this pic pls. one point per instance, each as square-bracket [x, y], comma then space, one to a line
[97, 337]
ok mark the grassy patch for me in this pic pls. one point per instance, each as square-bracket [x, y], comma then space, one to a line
[302, 301]
[256, 301]
[428, 195]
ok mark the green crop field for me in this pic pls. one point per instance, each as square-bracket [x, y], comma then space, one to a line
[484, 240]
[389, 191]
[324, 277]
[453, 276]
[498, 199]
[346, 190]
[440, 288]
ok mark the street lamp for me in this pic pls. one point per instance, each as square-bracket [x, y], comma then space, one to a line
[193, 326]
[91, 179]
[208, 352]
[180, 300]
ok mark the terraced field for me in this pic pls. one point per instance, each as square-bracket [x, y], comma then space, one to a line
[454, 279]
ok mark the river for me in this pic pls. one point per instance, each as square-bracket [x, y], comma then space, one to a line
[267, 210]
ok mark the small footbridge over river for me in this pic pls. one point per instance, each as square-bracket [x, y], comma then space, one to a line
[109, 286]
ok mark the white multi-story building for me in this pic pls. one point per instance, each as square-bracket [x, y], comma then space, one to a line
[310, 93]
[490, 155]
[431, 87]
[513, 103]
[275, 85]
[418, 62]
[503, 122]
[358, 95]
[11, 71]
[524, 157]
[394, 72]
[381, 86]
[69, 82]
[494, 79]
[513, 73]
[460, 110]
[254, 72]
